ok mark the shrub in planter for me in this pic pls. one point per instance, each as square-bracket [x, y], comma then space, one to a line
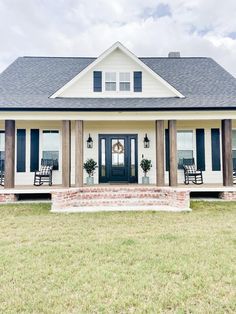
[90, 167]
[146, 165]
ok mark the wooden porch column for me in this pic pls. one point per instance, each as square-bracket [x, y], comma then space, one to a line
[9, 181]
[66, 153]
[160, 167]
[79, 142]
[173, 153]
[226, 135]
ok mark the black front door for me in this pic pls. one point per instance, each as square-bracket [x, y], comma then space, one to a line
[118, 158]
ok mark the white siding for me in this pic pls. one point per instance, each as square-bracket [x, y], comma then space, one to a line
[117, 61]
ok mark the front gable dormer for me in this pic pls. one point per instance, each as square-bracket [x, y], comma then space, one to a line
[117, 73]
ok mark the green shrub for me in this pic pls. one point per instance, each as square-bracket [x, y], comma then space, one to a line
[90, 166]
[146, 165]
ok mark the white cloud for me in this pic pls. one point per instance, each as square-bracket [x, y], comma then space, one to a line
[88, 27]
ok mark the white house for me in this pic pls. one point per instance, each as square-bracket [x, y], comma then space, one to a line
[117, 109]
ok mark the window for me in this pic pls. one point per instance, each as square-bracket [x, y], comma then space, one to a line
[132, 157]
[184, 146]
[50, 147]
[110, 81]
[118, 152]
[124, 81]
[115, 81]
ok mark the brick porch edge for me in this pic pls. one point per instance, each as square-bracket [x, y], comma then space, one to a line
[7, 198]
[228, 195]
[97, 198]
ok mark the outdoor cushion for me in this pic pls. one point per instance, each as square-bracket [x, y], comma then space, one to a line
[45, 170]
[191, 169]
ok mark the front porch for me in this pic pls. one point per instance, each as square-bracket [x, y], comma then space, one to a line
[209, 142]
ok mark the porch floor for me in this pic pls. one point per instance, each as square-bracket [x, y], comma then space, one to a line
[48, 189]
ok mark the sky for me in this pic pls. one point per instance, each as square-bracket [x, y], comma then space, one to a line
[146, 27]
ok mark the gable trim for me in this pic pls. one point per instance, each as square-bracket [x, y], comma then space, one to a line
[103, 56]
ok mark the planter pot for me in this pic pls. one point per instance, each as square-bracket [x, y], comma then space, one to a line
[145, 180]
[90, 180]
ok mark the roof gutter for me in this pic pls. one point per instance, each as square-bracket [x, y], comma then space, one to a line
[117, 109]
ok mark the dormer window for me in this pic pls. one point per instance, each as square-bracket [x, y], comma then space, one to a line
[110, 81]
[118, 82]
[124, 81]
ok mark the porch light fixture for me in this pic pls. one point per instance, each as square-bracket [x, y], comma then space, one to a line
[89, 142]
[146, 141]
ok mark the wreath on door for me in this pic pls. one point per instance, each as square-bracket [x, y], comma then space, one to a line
[118, 148]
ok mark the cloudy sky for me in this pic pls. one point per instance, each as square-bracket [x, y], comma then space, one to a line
[146, 27]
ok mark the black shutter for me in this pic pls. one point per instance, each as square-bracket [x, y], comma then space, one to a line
[138, 81]
[34, 149]
[21, 150]
[97, 81]
[215, 149]
[200, 145]
[167, 149]
[2, 154]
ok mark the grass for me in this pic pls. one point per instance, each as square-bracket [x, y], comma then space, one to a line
[122, 262]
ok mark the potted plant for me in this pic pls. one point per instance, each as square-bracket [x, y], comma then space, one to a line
[90, 166]
[146, 165]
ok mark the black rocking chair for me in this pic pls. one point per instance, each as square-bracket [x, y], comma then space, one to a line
[2, 171]
[44, 175]
[191, 173]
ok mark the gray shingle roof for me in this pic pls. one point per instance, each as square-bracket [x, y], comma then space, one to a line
[29, 81]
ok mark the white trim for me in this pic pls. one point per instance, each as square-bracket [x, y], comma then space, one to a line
[117, 45]
[117, 115]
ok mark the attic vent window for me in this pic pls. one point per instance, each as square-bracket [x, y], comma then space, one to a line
[110, 81]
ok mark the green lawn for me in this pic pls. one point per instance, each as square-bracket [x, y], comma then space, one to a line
[122, 262]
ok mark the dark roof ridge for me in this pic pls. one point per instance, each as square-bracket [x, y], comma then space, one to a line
[66, 57]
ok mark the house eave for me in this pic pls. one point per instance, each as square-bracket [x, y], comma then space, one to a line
[17, 109]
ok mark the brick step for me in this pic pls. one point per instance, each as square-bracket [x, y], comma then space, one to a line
[122, 189]
[120, 195]
[119, 202]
